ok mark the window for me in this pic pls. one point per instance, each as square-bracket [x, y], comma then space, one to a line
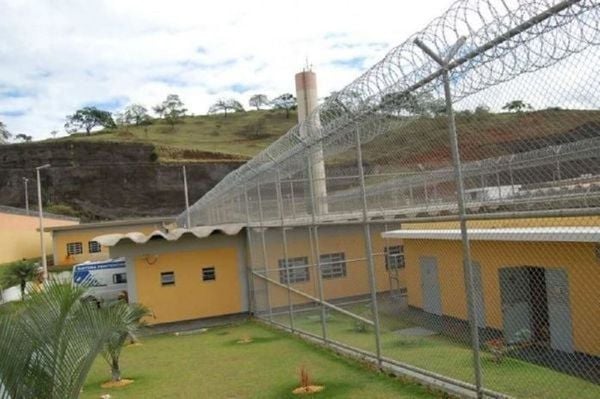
[167, 278]
[333, 265]
[74, 248]
[119, 278]
[208, 274]
[94, 246]
[295, 271]
[394, 257]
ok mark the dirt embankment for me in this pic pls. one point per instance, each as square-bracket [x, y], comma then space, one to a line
[105, 180]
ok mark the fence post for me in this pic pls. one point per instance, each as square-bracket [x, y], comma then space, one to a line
[317, 251]
[264, 249]
[285, 249]
[251, 304]
[460, 196]
[368, 247]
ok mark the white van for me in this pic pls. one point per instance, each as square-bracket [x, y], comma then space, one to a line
[105, 280]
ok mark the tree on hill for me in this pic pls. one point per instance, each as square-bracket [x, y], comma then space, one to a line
[134, 114]
[19, 273]
[285, 101]
[88, 118]
[53, 133]
[517, 106]
[172, 109]
[225, 105]
[258, 100]
[5, 135]
[23, 137]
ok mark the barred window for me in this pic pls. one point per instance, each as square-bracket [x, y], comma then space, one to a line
[296, 270]
[94, 246]
[74, 248]
[394, 257]
[208, 274]
[119, 278]
[333, 265]
[167, 278]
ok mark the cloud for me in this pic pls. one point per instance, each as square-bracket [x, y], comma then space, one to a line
[70, 54]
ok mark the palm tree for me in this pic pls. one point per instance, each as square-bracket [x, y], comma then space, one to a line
[19, 273]
[130, 322]
[50, 341]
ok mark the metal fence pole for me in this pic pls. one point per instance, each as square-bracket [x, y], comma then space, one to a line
[264, 249]
[285, 248]
[251, 299]
[317, 251]
[460, 196]
[368, 247]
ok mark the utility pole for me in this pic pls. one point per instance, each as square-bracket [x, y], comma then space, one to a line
[187, 200]
[41, 215]
[26, 180]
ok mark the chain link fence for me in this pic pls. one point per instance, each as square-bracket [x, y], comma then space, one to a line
[440, 215]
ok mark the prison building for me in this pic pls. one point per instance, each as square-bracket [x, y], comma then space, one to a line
[536, 280]
[74, 243]
[198, 273]
[20, 236]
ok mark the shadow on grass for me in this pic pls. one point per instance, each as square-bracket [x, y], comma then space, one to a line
[255, 341]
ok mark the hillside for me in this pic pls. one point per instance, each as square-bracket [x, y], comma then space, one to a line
[238, 136]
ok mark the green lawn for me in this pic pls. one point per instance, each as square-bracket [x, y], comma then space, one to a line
[442, 355]
[214, 365]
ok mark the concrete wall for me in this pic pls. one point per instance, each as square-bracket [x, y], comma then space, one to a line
[578, 259]
[20, 239]
[190, 297]
[60, 239]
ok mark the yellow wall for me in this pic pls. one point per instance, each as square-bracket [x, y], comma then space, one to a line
[190, 297]
[332, 239]
[84, 235]
[578, 259]
[20, 239]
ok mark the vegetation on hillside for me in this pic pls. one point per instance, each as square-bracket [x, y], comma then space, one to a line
[239, 136]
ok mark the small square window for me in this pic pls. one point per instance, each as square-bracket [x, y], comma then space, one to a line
[94, 247]
[333, 265]
[208, 274]
[119, 278]
[295, 270]
[74, 248]
[167, 278]
[394, 257]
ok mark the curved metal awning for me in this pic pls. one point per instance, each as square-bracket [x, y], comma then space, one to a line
[111, 240]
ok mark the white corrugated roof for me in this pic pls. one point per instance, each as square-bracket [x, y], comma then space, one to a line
[556, 234]
[110, 240]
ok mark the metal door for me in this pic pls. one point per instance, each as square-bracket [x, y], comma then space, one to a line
[559, 309]
[515, 295]
[478, 295]
[430, 285]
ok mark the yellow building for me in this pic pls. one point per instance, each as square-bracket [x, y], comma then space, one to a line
[535, 275]
[19, 234]
[184, 275]
[202, 272]
[75, 243]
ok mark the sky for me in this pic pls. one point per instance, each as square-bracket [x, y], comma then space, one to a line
[61, 55]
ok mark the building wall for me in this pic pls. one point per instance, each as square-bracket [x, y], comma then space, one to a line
[347, 239]
[578, 259]
[190, 297]
[60, 239]
[20, 239]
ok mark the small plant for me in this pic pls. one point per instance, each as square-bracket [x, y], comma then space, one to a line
[304, 377]
[497, 348]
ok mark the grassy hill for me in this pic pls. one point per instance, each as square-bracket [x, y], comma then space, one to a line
[238, 136]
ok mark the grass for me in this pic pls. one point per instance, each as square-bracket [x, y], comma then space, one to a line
[214, 365]
[442, 355]
[238, 136]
